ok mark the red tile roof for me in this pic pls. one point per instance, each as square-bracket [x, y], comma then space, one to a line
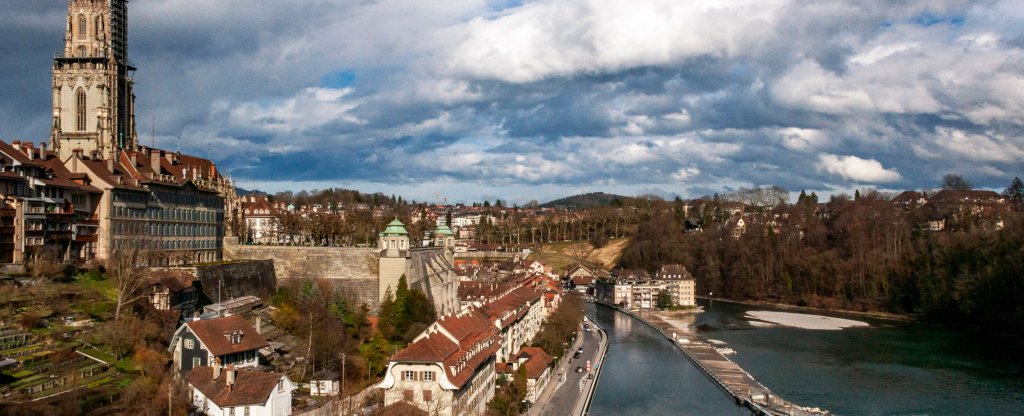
[251, 387]
[213, 334]
[536, 362]
[476, 340]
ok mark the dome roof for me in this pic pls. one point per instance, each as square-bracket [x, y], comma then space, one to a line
[443, 230]
[395, 228]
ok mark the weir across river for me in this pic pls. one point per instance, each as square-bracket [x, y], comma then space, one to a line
[726, 374]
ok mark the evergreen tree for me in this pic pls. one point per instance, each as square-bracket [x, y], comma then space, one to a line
[664, 300]
[386, 321]
[1015, 192]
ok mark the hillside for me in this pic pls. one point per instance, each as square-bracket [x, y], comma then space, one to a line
[561, 256]
[591, 200]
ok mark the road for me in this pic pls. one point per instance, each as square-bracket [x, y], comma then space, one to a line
[560, 400]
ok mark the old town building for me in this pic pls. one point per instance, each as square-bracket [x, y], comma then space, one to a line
[48, 212]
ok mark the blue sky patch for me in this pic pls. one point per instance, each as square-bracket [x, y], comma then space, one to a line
[338, 79]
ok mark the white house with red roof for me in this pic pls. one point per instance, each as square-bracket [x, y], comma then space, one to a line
[448, 370]
[229, 391]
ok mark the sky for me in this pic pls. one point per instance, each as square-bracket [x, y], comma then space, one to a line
[523, 100]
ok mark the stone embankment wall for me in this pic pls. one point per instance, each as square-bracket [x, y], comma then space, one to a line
[232, 279]
[485, 255]
[351, 269]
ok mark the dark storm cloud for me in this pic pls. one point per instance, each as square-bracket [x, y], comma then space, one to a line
[565, 96]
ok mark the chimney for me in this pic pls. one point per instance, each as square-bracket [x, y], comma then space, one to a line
[216, 368]
[230, 379]
[29, 150]
[16, 143]
[134, 159]
[110, 165]
[259, 324]
[154, 159]
[42, 150]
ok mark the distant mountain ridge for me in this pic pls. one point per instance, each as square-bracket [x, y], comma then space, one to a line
[583, 201]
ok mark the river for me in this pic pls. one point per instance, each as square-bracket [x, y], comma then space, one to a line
[886, 369]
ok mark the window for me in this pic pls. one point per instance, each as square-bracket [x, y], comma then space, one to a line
[80, 110]
[231, 411]
[196, 362]
[81, 27]
[428, 395]
[408, 375]
[246, 410]
[189, 344]
[407, 394]
[280, 386]
[428, 376]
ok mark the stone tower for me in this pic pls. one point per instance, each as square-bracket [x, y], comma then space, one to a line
[394, 256]
[93, 101]
[444, 237]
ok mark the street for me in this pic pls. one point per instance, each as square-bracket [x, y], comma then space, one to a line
[561, 397]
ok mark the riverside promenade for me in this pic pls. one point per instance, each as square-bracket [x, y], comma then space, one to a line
[732, 379]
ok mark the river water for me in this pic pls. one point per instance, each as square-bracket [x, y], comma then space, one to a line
[886, 369]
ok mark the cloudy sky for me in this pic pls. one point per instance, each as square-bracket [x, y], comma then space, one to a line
[537, 99]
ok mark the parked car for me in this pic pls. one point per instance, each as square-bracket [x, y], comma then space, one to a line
[576, 355]
[579, 369]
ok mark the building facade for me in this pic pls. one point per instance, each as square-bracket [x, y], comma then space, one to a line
[448, 370]
[47, 212]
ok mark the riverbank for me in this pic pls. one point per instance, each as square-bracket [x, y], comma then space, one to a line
[884, 316]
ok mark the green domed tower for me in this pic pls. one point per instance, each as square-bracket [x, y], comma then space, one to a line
[444, 237]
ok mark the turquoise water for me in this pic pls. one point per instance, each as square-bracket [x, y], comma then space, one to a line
[886, 369]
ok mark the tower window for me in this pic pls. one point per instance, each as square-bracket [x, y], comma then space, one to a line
[81, 27]
[80, 110]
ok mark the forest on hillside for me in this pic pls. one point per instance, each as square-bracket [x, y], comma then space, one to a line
[864, 253]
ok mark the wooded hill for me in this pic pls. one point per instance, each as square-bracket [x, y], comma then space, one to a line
[865, 253]
[585, 201]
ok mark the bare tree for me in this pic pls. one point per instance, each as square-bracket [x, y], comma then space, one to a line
[124, 267]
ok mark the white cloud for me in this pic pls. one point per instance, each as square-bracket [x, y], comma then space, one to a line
[558, 38]
[685, 174]
[856, 169]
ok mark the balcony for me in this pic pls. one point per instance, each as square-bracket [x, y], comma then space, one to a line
[8, 212]
[58, 235]
[90, 238]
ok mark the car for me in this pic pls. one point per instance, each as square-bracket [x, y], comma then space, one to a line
[576, 355]
[580, 350]
[579, 369]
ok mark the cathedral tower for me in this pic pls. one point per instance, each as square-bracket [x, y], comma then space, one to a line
[93, 101]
